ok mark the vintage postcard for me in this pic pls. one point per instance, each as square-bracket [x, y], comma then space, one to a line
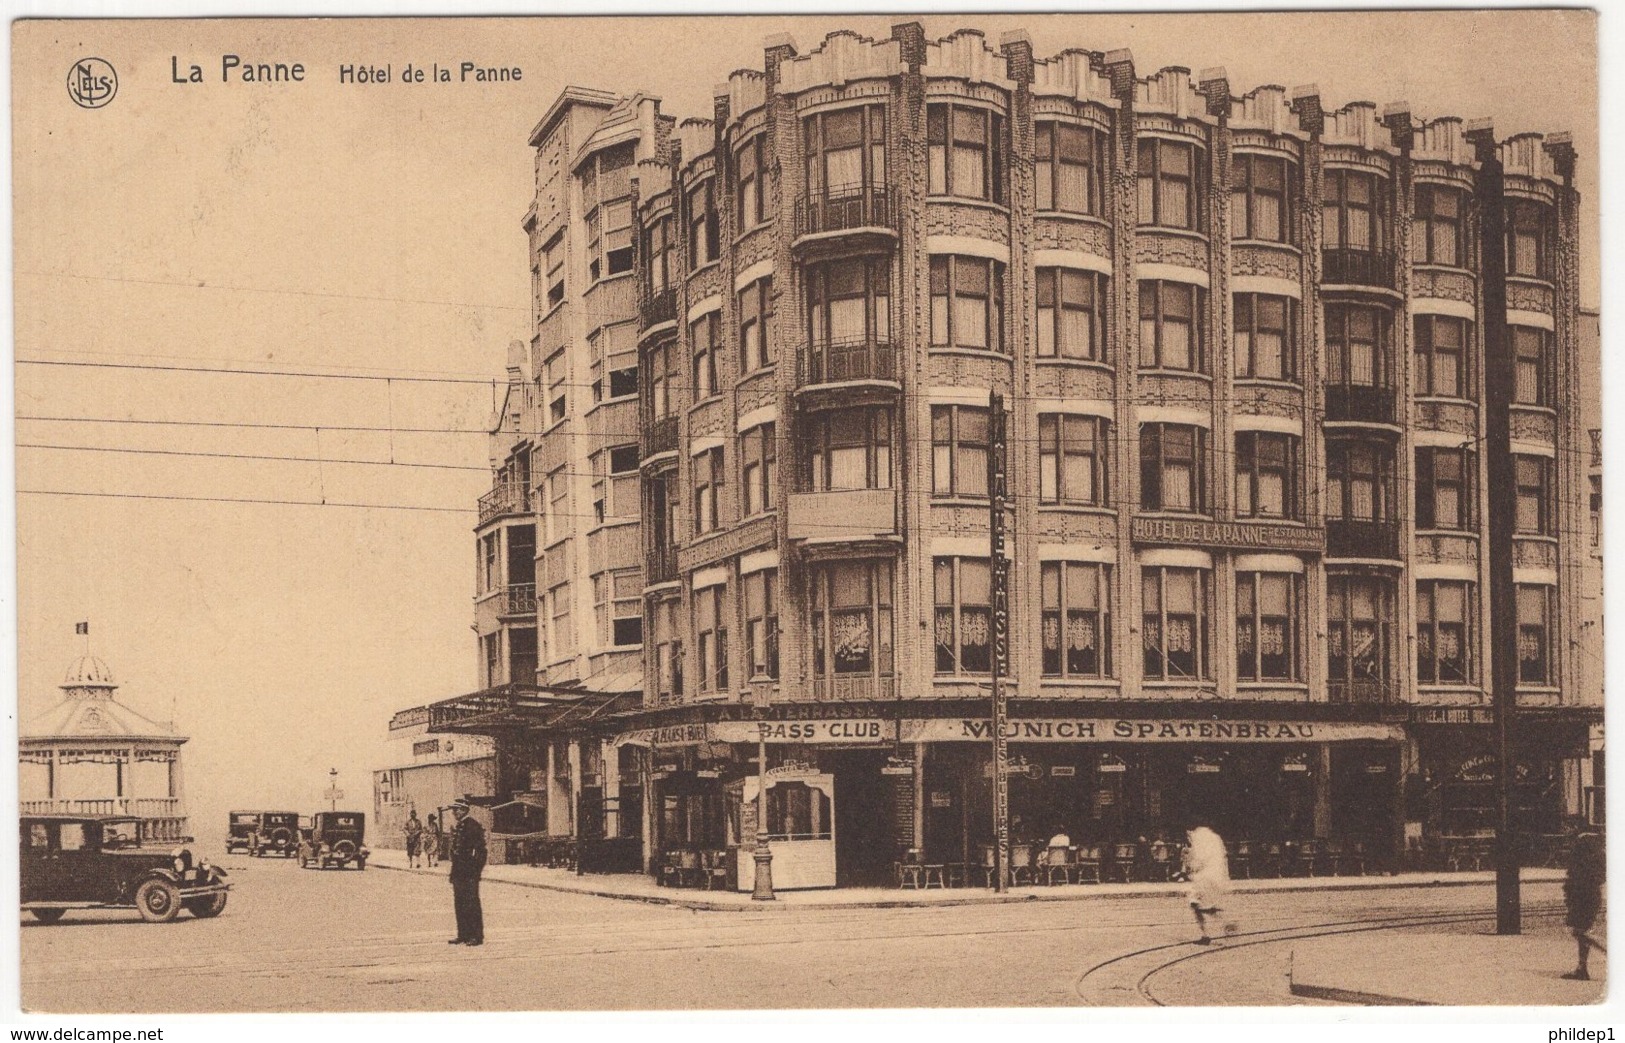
[837, 511]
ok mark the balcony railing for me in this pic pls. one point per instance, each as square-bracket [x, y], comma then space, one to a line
[846, 207]
[661, 307]
[1347, 267]
[660, 436]
[504, 498]
[860, 687]
[853, 360]
[1361, 402]
[519, 599]
[660, 565]
[1362, 692]
[1347, 538]
[142, 807]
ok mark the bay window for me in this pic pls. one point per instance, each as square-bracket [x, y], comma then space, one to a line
[1446, 487]
[1173, 468]
[965, 152]
[1171, 326]
[702, 224]
[657, 253]
[1261, 196]
[967, 303]
[1072, 455]
[1174, 626]
[1532, 348]
[849, 314]
[850, 449]
[1358, 633]
[1444, 632]
[845, 151]
[959, 450]
[708, 479]
[1268, 617]
[1266, 475]
[1075, 619]
[1536, 515]
[852, 619]
[711, 637]
[762, 623]
[750, 174]
[760, 469]
[1071, 314]
[1357, 345]
[1439, 234]
[1529, 238]
[1070, 167]
[668, 652]
[1353, 211]
[1170, 184]
[1443, 356]
[704, 336]
[1359, 480]
[1535, 665]
[755, 325]
[963, 589]
[1266, 336]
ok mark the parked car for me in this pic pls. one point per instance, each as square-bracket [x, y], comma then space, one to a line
[335, 840]
[240, 829]
[278, 834]
[99, 862]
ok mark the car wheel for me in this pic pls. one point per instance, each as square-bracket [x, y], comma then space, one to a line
[204, 908]
[48, 915]
[158, 901]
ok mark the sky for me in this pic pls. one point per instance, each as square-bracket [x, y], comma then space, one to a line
[372, 231]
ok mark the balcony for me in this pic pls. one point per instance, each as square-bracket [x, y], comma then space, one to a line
[660, 436]
[846, 516]
[1346, 267]
[504, 498]
[853, 688]
[660, 565]
[141, 807]
[1348, 538]
[519, 599]
[661, 307]
[1381, 692]
[846, 361]
[848, 217]
[1361, 403]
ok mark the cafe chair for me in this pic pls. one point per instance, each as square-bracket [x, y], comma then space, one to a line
[1058, 860]
[910, 873]
[1331, 858]
[714, 869]
[1088, 863]
[1308, 854]
[1267, 861]
[989, 864]
[1162, 860]
[688, 869]
[1354, 858]
[1241, 860]
[1023, 865]
[1126, 861]
[936, 875]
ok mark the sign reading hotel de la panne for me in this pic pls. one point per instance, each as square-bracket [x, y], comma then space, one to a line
[1229, 535]
[860, 731]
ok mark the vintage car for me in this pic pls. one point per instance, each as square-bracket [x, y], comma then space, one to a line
[278, 834]
[335, 840]
[240, 829]
[99, 862]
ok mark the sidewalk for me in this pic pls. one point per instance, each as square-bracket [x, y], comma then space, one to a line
[635, 887]
[1406, 968]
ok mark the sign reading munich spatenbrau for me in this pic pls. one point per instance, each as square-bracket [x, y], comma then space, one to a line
[1109, 729]
[1195, 532]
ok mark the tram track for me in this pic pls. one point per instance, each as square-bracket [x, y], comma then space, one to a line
[1126, 979]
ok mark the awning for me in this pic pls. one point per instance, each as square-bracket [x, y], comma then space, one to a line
[504, 709]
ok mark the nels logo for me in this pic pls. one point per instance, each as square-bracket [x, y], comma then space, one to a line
[92, 83]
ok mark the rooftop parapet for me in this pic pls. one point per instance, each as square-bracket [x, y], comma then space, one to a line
[653, 177]
[965, 55]
[694, 138]
[1525, 155]
[843, 57]
[1443, 140]
[1072, 74]
[745, 91]
[1357, 124]
[1264, 108]
[1169, 91]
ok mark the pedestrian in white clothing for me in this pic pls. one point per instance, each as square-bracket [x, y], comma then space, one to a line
[1208, 870]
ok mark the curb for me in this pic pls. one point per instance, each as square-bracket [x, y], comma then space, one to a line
[702, 905]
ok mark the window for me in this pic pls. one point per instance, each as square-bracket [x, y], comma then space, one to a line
[491, 653]
[702, 225]
[760, 468]
[618, 597]
[558, 522]
[965, 152]
[1171, 321]
[657, 250]
[755, 325]
[1442, 366]
[1359, 480]
[967, 303]
[562, 629]
[1266, 339]
[1172, 466]
[762, 623]
[1070, 167]
[846, 151]
[749, 170]
[623, 382]
[488, 562]
[1267, 620]
[1439, 235]
[708, 478]
[852, 619]
[1353, 209]
[711, 637]
[1175, 624]
[1445, 484]
[850, 449]
[1529, 239]
[1075, 619]
[668, 652]
[665, 375]
[704, 334]
[1534, 635]
[849, 305]
[605, 184]
[1170, 193]
[1358, 636]
[1535, 515]
[1071, 314]
[959, 450]
[964, 615]
[617, 232]
[1072, 455]
[557, 372]
[663, 504]
[1261, 194]
[1533, 349]
[1357, 345]
[553, 262]
[615, 485]
[797, 811]
[1266, 475]
[1444, 632]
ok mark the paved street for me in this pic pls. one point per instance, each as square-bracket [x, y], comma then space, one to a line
[302, 940]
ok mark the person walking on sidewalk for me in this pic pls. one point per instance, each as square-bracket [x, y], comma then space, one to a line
[1208, 870]
[414, 838]
[467, 862]
[432, 838]
[1582, 893]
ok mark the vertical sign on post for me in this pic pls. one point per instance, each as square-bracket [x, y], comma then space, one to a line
[998, 492]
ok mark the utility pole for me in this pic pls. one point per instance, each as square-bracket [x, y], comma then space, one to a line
[1489, 190]
[998, 493]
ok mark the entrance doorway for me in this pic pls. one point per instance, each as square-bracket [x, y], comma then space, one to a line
[865, 840]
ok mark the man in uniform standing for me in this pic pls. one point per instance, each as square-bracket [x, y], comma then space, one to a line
[467, 862]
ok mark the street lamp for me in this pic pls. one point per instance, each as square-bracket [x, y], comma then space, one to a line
[763, 891]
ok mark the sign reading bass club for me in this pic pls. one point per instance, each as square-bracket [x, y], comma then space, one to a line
[1113, 729]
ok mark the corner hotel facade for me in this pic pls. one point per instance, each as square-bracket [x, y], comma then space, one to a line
[741, 474]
